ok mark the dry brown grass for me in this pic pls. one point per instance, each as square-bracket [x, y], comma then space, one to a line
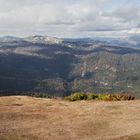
[27, 118]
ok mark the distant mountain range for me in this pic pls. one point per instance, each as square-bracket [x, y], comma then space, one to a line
[61, 66]
[132, 41]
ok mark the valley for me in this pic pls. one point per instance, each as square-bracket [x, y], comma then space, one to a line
[60, 67]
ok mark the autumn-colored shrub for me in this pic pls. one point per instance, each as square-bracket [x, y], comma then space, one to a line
[127, 97]
[102, 97]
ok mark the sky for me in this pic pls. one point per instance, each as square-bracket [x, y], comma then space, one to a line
[70, 18]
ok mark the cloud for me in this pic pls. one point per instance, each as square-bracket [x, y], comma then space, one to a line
[71, 18]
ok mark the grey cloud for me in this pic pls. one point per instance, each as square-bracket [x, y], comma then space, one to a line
[67, 18]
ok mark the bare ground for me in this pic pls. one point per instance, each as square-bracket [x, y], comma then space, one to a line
[28, 118]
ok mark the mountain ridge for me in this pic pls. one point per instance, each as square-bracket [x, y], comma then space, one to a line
[62, 66]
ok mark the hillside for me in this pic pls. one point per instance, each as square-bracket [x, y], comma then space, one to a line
[31, 118]
[61, 66]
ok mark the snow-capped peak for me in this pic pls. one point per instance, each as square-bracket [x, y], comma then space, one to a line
[43, 39]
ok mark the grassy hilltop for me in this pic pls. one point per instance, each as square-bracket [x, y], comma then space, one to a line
[29, 118]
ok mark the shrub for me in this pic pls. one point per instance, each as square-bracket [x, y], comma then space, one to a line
[111, 97]
[76, 96]
[103, 97]
[91, 96]
[116, 97]
[127, 97]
